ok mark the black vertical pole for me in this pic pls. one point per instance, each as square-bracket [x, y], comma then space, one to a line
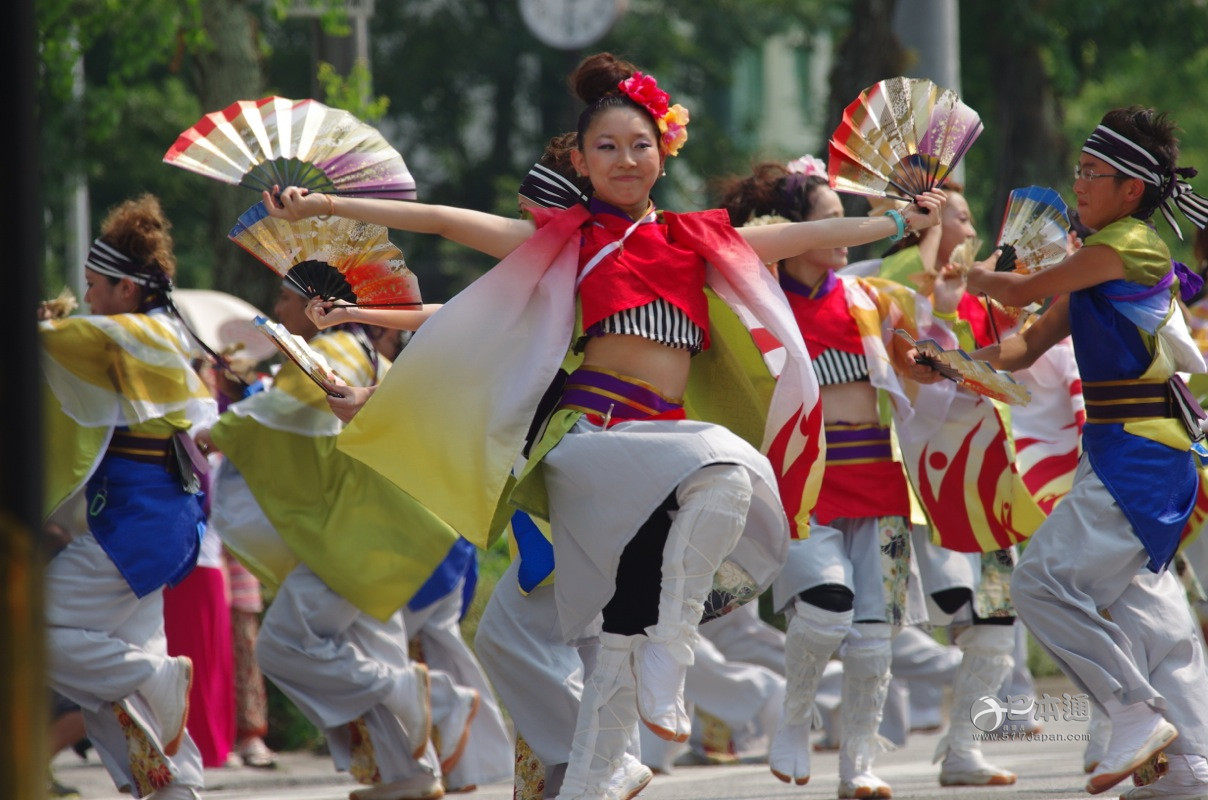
[23, 693]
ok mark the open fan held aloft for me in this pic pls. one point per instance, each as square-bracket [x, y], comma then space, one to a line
[336, 259]
[279, 142]
[899, 138]
[1035, 230]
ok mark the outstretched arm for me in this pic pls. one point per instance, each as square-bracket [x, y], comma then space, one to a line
[775, 242]
[1021, 351]
[488, 233]
[1087, 267]
[327, 313]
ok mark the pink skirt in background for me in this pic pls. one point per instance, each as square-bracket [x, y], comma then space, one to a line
[197, 621]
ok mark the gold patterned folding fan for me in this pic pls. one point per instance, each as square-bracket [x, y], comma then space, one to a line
[336, 259]
[899, 138]
[1035, 230]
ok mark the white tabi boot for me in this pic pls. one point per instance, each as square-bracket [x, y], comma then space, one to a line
[813, 636]
[629, 779]
[167, 692]
[712, 513]
[986, 662]
[607, 714]
[1098, 734]
[865, 685]
[1137, 732]
[409, 699]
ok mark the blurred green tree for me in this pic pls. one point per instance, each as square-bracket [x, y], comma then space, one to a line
[1043, 72]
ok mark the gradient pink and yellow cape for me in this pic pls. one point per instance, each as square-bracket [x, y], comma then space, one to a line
[448, 423]
[954, 443]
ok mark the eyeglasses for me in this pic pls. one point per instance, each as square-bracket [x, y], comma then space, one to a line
[1088, 174]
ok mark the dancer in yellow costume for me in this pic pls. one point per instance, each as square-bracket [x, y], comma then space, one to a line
[121, 399]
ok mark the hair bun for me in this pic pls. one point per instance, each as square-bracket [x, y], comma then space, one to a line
[599, 75]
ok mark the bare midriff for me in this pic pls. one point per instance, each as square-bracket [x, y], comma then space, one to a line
[850, 402]
[665, 368]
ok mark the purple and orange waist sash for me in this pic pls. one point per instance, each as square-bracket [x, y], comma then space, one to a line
[607, 398]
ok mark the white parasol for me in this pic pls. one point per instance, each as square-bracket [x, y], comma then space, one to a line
[225, 323]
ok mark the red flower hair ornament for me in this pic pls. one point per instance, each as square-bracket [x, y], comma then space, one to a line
[672, 121]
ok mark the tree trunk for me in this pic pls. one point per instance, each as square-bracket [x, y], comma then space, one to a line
[230, 70]
[870, 52]
[1029, 146]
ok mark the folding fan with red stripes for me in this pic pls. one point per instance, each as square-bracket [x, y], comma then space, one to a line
[275, 141]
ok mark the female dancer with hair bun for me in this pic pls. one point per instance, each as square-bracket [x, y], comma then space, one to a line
[124, 394]
[1093, 584]
[847, 584]
[645, 505]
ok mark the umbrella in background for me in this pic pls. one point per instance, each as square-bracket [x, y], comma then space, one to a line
[225, 323]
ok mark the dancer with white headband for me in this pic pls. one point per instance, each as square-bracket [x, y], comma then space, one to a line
[123, 396]
[1093, 584]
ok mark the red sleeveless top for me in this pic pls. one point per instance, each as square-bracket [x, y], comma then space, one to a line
[646, 267]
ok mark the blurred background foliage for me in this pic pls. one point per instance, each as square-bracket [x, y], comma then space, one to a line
[470, 97]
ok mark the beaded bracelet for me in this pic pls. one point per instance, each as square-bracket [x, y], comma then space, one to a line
[331, 209]
[947, 316]
[899, 221]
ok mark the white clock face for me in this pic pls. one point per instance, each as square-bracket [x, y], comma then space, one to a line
[570, 24]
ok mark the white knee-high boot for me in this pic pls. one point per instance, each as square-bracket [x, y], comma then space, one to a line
[607, 715]
[813, 636]
[712, 513]
[866, 659]
[986, 661]
[1099, 733]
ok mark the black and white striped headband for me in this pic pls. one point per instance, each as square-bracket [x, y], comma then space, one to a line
[110, 261]
[1135, 161]
[549, 189]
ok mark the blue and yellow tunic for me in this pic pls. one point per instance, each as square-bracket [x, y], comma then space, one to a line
[129, 374]
[1146, 464]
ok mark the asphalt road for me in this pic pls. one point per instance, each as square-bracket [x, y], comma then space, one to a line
[1049, 766]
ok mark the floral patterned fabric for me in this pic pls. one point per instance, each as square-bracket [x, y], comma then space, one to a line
[363, 766]
[993, 597]
[895, 565]
[148, 765]
[529, 781]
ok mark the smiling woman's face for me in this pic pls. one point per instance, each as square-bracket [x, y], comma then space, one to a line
[958, 225]
[620, 157]
[826, 205]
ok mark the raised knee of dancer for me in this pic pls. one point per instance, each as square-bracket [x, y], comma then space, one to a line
[728, 485]
[830, 597]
